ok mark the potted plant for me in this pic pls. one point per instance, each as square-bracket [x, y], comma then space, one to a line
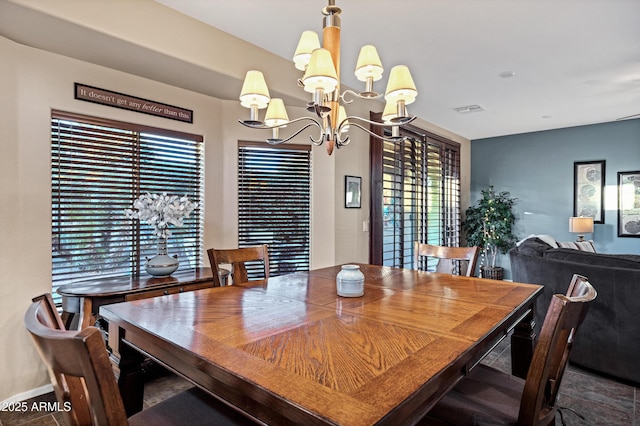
[488, 225]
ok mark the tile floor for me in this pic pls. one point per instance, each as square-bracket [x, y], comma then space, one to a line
[601, 401]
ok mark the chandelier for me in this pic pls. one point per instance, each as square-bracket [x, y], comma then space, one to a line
[321, 78]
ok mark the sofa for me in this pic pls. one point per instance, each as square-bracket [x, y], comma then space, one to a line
[608, 341]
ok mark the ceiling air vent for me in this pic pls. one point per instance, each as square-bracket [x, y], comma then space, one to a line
[469, 108]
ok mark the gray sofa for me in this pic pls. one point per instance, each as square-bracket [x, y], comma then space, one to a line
[609, 339]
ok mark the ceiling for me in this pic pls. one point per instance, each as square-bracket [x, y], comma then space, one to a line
[576, 62]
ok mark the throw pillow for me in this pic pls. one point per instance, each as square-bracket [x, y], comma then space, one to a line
[533, 247]
[546, 238]
[578, 245]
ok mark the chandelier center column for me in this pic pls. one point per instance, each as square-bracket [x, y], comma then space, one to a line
[331, 42]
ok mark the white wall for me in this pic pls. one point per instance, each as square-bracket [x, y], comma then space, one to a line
[23, 226]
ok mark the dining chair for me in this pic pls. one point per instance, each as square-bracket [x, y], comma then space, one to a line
[489, 396]
[48, 314]
[86, 388]
[237, 258]
[450, 259]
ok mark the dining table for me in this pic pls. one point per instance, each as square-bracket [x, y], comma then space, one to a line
[289, 350]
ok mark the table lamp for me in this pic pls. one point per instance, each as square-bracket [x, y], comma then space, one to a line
[581, 225]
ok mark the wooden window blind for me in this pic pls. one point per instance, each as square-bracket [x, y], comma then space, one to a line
[415, 196]
[274, 204]
[98, 168]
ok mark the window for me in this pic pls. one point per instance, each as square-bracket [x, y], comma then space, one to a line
[415, 196]
[274, 204]
[99, 167]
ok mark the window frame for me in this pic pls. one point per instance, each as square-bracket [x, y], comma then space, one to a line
[449, 221]
[292, 253]
[95, 154]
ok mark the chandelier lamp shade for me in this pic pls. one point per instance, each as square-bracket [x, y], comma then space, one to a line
[255, 93]
[320, 66]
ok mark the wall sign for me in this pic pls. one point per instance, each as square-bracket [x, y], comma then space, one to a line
[132, 103]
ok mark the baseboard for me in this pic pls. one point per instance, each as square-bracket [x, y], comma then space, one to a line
[28, 395]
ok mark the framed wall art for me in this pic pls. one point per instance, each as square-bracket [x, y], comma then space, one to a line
[629, 204]
[352, 192]
[588, 189]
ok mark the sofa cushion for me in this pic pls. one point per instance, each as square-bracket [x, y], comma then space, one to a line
[630, 261]
[578, 245]
[533, 247]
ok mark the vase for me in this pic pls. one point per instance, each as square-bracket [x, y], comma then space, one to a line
[350, 281]
[161, 265]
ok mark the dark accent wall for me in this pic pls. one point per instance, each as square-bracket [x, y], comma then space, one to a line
[537, 168]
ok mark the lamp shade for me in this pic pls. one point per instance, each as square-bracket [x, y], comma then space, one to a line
[581, 225]
[400, 86]
[390, 112]
[254, 90]
[276, 113]
[342, 116]
[368, 64]
[321, 73]
[309, 42]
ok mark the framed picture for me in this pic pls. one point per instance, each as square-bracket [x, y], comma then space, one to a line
[588, 189]
[629, 204]
[352, 192]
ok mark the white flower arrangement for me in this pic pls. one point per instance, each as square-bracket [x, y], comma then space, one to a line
[160, 211]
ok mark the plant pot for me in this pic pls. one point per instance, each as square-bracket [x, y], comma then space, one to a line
[492, 272]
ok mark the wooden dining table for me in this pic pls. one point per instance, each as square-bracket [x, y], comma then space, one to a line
[288, 350]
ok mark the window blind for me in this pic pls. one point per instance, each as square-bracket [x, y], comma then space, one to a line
[417, 198]
[98, 168]
[274, 204]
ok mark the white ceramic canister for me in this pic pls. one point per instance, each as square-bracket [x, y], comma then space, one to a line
[350, 281]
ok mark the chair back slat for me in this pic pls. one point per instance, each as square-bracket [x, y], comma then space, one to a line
[237, 258]
[48, 313]
[449, 258]
[79, 368]
[550, 357]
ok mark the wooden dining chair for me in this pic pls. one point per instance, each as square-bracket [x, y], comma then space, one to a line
[237, 258]
[451, 260]
[489, 396]
[86, 388]
[48, 314]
